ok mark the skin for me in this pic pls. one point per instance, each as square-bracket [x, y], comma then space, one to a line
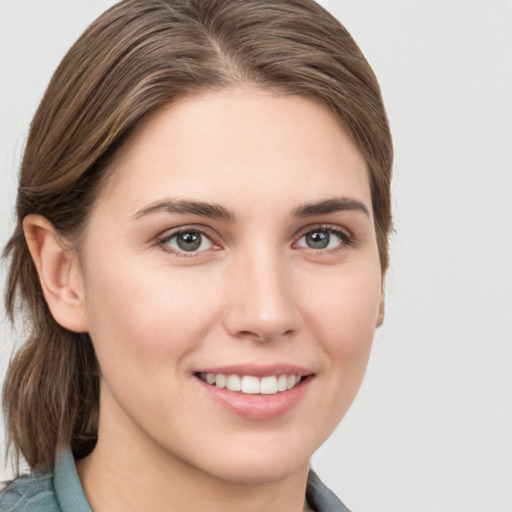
[254, 293]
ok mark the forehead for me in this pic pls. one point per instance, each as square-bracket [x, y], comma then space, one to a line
[240, 145]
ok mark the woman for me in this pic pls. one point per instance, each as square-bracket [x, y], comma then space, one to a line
[203, 214]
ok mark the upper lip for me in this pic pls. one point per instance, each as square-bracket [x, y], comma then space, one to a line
[258, 370]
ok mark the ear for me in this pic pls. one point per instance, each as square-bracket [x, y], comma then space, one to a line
[59, 273]
[382, 310]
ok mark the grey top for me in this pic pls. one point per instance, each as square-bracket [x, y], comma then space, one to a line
[61, 491]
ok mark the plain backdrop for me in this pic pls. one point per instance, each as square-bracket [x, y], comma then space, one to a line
[431, 430]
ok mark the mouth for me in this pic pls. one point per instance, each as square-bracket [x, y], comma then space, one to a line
[250, 384]
[256, 393]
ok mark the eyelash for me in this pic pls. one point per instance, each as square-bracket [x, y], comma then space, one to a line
[346, 239]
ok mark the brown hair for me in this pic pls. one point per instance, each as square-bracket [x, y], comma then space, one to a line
[135, 58]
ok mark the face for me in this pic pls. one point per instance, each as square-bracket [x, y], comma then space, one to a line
[232, 284]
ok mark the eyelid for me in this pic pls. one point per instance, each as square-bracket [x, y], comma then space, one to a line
[323, 226]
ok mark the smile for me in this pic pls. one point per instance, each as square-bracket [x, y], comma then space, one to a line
[251, 385]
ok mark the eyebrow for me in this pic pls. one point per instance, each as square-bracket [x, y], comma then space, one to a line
[327, 206]
[185, 206]
[216, 211]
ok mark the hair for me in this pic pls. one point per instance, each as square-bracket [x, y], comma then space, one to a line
[137, 57]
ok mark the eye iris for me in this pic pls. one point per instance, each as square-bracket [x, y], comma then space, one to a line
[318, 239]
[189, 241]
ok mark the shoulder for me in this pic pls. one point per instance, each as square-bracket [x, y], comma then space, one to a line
[51, 491]
[320, 497]
[30, 493]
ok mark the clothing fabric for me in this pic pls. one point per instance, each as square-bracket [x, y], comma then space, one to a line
[60, 491]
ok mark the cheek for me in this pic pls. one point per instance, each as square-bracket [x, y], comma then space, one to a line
[341, 316]
[345, 313]
[146, 320]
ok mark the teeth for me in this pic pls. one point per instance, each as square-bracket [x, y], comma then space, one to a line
[252, 385]
[234, 383]
[291, 381]
[268, 385]
[282, 383]
[220, 380]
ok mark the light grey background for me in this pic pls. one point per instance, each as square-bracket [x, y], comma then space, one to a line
[431, 430]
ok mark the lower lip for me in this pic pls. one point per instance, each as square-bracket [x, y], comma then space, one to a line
[257, 407]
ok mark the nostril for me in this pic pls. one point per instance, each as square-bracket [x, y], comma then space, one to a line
[264, 338]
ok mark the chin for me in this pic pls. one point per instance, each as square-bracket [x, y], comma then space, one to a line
[257, 462]
[260, 470]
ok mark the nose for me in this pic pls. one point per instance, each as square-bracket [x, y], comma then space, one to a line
[261, 302]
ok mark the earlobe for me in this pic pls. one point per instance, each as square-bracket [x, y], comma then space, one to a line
[59, 273]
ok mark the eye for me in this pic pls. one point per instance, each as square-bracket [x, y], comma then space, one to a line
[186, 241]
[323, 238]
